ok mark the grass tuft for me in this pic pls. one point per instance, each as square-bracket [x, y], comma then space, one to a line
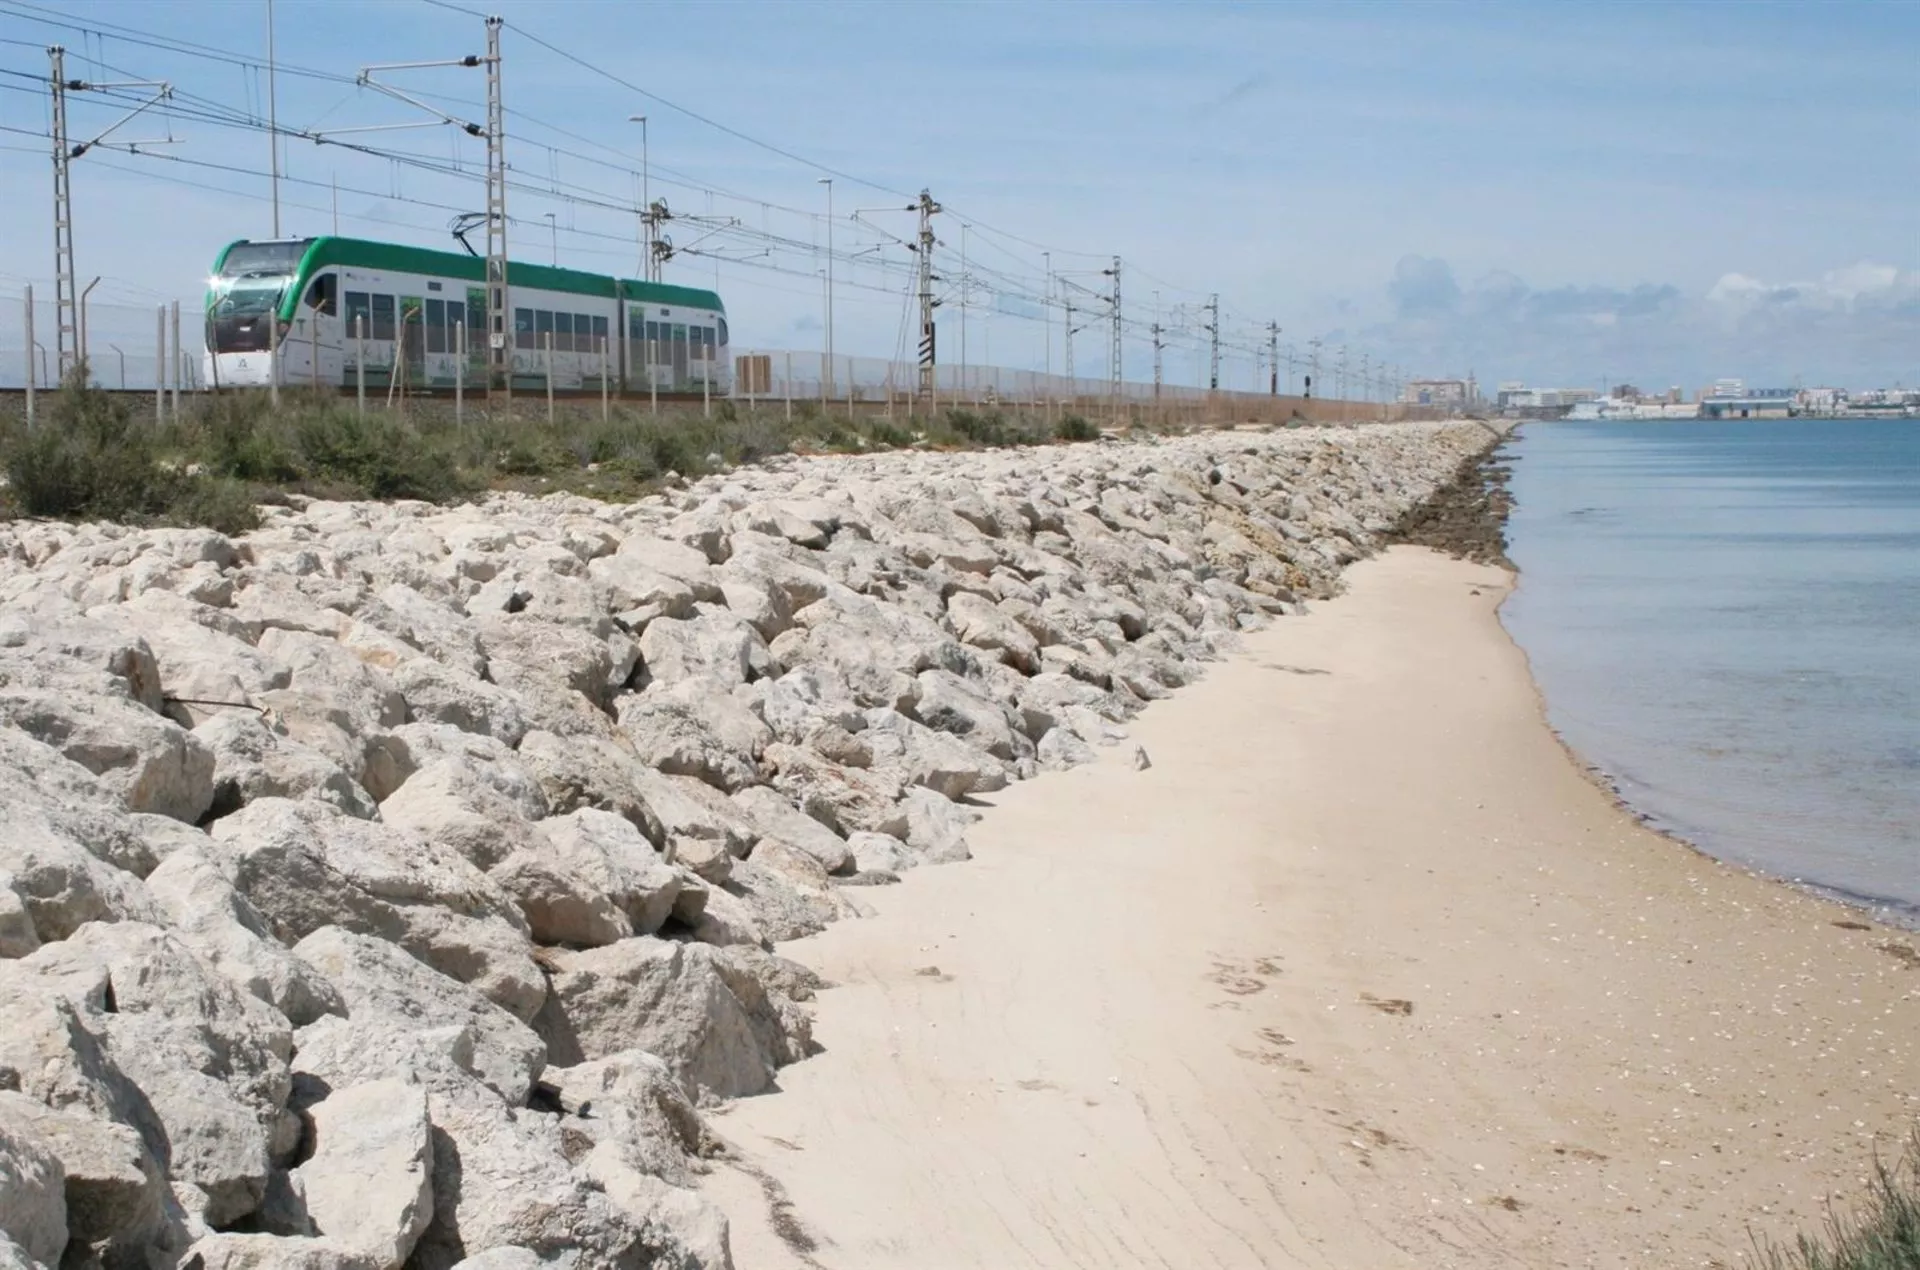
[1882, 1233]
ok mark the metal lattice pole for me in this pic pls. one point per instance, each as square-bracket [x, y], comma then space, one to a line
[1273, 359]
[66, 325]
[926, 207]
[1115, 351]
[499, 355]
[1213, 342]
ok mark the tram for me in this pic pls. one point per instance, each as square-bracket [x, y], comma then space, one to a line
[336, 312]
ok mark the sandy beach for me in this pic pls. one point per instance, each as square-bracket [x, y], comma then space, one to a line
[1361, 972]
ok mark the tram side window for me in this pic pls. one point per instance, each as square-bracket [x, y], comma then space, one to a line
[636, 324]
[523, 336]
[359, 314]
[583, 341]
[322, 295]
[542, 328]
[563, 332]
[600, 339]
[653, 342]
[723, 332]
[382, 317]
[436, 326]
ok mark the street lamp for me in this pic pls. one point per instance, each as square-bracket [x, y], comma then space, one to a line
[553, 232]
[826, 377]
[646, 202]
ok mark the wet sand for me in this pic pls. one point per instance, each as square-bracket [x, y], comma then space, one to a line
[1362, 972]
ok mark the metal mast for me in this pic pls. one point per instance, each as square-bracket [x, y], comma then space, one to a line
[1273, 359]
[1114, 351]
[1067, 298]
[65, 321]
[1158, 344]
[926, 207]
[1213, 337]
[499, 356]
[273, 123]
[1313, 363]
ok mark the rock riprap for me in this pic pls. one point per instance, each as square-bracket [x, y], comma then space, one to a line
[395, 885]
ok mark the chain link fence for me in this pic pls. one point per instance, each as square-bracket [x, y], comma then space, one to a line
[132, 348]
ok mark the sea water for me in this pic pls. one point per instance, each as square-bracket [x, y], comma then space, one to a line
[1725, 619]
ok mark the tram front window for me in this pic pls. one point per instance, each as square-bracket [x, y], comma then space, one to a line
[247, 260]
[240, 318]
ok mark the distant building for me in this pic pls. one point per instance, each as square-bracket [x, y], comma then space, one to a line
[1759, 403]
[1454, 394]
[1821, 401]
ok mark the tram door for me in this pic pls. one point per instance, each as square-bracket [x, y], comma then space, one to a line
[678, 342]
[477, 345]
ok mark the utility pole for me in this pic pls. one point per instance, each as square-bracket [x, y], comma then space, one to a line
[964, 281]
[1213, 339]
[1313, 363]
[646, 202]
[69, 324]
[1273, 359]
[1366, 393]
[273, 117]
[826, 370]
[926, 207]
[499, 331]
[1157, 345]
[1115, 352]
[1066, 298]
[1046, 311]
[66, 325]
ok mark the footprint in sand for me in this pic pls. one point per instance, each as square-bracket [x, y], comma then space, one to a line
[1388, 1005]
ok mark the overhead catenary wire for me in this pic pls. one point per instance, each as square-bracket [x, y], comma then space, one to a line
[1014, 289]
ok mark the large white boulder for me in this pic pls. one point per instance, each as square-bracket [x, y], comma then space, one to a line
[383, 985]
[702, 1010]
[305, 866]
[368, 1183]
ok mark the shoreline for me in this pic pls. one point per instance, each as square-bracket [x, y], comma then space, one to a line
[876, 1173]
[1468, 543]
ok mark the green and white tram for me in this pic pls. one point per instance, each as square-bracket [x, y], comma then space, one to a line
[321, 308]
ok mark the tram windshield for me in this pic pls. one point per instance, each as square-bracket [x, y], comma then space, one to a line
[253, 279]
[240, 314]
[246, 260]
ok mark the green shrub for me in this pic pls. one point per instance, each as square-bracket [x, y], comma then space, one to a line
[86, 458]
[1883, 1234]
[376, 455]
[1074, 428]
[221, 504]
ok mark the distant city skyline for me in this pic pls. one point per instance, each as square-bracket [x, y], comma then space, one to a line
[1667, 194]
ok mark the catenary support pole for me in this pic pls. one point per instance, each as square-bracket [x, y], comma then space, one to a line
[30, 381]
[460, 375]
[273, 129]
[360, 364]
[160, 365]
[177, 362]
[606, 385]
[549, 377]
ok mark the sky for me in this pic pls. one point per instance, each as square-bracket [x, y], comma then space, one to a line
[1564, 194]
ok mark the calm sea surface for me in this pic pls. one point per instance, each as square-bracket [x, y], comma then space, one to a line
[1725, 617]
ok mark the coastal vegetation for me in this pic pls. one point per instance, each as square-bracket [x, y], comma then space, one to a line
[1882, 1233]
[94, 456]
